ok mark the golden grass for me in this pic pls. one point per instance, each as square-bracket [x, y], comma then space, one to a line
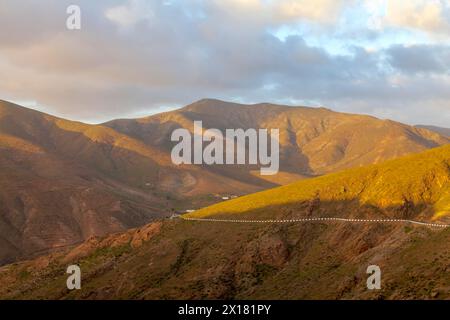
[420, 178]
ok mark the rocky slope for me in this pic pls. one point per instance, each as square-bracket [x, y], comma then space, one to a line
[317, 260]
[442, 131]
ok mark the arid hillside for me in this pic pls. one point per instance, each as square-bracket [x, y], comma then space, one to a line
[178, 258]
[313, 141]
[62, 181]
[442, 131]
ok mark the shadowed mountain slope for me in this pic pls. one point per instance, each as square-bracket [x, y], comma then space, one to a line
[63, 181]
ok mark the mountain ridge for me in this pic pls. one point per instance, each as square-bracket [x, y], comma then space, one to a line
[313, 140]
[441, 130]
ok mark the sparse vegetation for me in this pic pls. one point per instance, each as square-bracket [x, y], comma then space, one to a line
[195, 260]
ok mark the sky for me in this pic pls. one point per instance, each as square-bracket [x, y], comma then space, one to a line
[131, 58]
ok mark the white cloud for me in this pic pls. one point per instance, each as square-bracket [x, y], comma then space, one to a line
[324, 11]
[285, 11]
[432, 16]
[129, 14]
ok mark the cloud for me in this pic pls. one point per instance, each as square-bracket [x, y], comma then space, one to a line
[432, 16]
[134, 56]
[131, 13]
[420, 58]
[324, 11]
[282, 11]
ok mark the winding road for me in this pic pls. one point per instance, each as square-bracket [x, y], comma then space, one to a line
[428, 224]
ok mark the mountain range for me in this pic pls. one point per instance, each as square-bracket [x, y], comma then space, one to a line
[63, 182]
[442, 131]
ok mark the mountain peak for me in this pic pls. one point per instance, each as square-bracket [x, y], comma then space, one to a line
[216, 105]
